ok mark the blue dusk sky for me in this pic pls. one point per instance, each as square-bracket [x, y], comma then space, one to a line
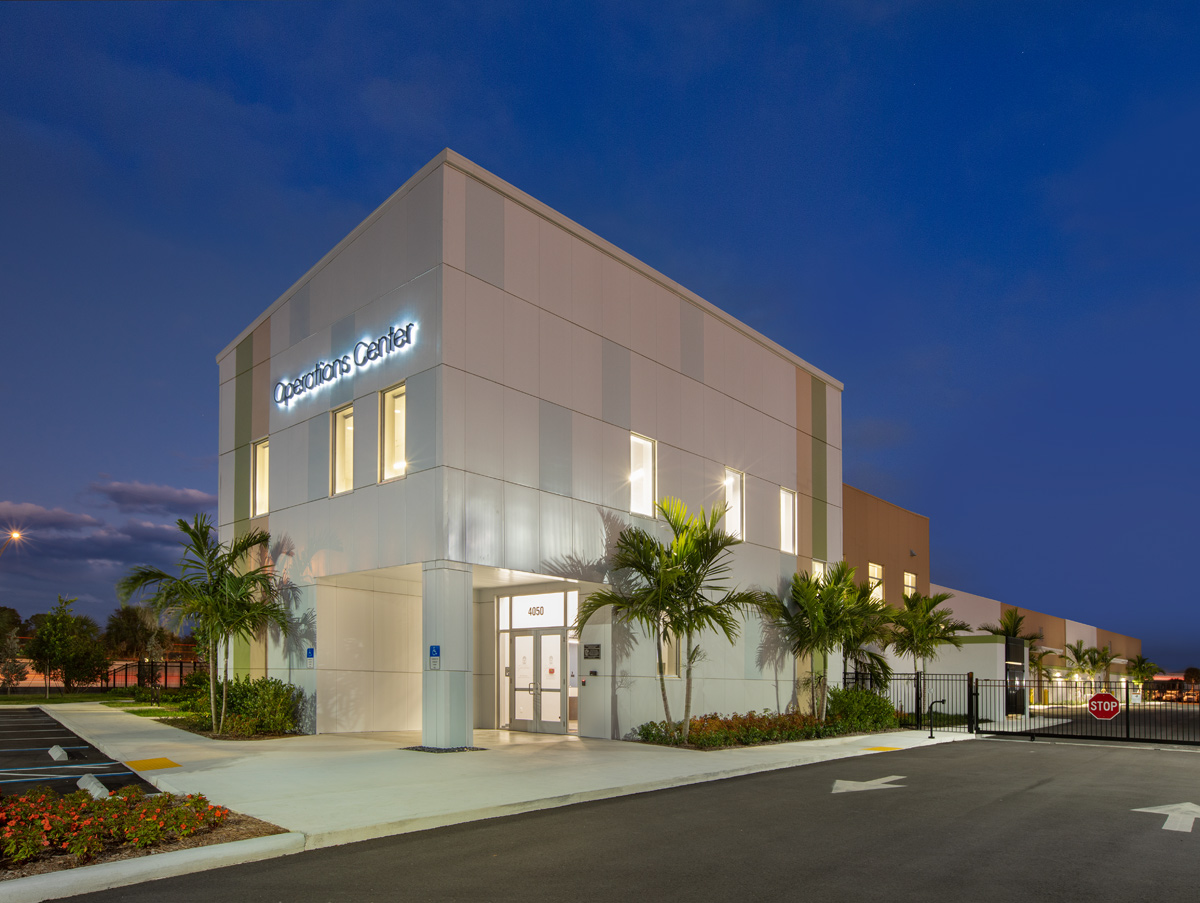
[981, 217]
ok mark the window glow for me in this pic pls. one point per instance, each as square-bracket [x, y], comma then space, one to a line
[392, 462]
[734, 482]
[787, 521]
[343, 450]
[910, 583]
[875, 575]
[260, 501]
[641, 475]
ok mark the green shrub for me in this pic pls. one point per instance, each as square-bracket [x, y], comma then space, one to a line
[858, 709]
[718, 731]
[263, 706]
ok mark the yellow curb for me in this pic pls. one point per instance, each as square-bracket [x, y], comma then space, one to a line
[882, 748]
[151, 764]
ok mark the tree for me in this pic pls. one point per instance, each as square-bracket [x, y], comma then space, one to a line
[12, 668]
[1191, 676]
[1078, 659]
[1011, 624]
[132, 631]
[218, 592]
[10, 619]
[1101, 660]
[869, 625]
[815, 622]
[676, 590]
[1142, 670]
[1037, 664]
[920, 628]
[68, 646]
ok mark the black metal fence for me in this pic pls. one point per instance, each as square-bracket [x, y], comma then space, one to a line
[165, 675]
[1097, 710]
[940, 701]
[1083, 710]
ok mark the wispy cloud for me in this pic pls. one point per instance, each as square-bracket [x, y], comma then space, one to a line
[148, 498]
[28, 516]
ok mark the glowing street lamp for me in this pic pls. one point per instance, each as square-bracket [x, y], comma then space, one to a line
[13, 536]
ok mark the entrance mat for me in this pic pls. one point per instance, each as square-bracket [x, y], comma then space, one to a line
[438, 749]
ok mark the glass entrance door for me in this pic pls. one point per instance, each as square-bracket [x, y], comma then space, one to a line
[539, 680]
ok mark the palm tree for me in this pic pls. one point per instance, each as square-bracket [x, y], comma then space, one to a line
[217, 593]
[868, 634]
[676, 590]
[816, 622]
[1011, 624]
[919, 628]
[1037, 664]
[1142, 670]
[1101, 660]
[1078, 659]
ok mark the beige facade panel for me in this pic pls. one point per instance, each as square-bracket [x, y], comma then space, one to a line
[878, 532]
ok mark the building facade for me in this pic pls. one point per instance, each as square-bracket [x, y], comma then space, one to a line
[445, 424]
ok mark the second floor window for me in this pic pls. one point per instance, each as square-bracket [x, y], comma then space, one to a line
[343, 450]
[261, 482]
[875, 575]
[734, 484]
[641, 475]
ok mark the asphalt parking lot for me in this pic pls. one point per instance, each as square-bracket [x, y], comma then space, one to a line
[983, 820]
[26, 737]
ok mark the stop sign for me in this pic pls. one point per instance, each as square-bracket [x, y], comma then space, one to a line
[1104, 706]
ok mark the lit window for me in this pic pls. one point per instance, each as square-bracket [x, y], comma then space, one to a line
[733, 502]
[343, 450]
[669, 647]
[787, 521]
[261, 481]
[391, 454]
[641, 475]
[910, 583]
[818, 569]
[875, 575]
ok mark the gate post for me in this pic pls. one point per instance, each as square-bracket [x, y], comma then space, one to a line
[917, 697]
[1126, 710]
[971, 726]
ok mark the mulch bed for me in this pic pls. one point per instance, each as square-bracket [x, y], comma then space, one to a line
[235, 827]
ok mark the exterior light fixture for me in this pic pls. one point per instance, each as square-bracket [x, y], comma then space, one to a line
[13, 536]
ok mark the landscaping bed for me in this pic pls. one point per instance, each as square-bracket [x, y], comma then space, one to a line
[41, 831]
[852, 711]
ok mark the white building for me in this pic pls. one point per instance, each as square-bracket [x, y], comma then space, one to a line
[450, 418]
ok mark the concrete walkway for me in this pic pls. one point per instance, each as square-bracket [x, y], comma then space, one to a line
[338, 788]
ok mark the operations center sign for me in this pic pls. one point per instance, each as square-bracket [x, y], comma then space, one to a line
[364, 354]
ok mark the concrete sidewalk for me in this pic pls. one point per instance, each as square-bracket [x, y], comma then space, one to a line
[338, 788]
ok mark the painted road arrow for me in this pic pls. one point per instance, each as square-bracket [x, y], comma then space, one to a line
[880, 784]
[1179, 815]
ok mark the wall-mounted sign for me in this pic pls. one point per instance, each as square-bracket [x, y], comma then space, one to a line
[591, 650]
[363, 355]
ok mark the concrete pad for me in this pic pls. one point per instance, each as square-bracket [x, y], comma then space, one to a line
[339, 788]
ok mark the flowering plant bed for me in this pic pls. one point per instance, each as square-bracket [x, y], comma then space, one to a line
[43, 831]
[721, 731]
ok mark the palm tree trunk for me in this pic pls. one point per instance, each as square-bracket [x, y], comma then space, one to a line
[824, 683]
[212, 683]
[225, 687]
[687, 694]
[662, 685]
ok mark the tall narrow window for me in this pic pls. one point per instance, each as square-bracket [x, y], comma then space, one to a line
[734, 481]
[343, 450]
[391, 454]
[641, 475]
[787, 521]
[669, 647]
[910, 583]
[875, 575]
[261, 481]
[818, 569]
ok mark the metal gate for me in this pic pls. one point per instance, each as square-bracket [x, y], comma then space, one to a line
[1061, 709]
[960, 702]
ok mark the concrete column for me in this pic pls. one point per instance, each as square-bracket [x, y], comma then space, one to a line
[447, 697]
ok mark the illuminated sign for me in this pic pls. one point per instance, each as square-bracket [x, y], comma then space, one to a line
[364, 354]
